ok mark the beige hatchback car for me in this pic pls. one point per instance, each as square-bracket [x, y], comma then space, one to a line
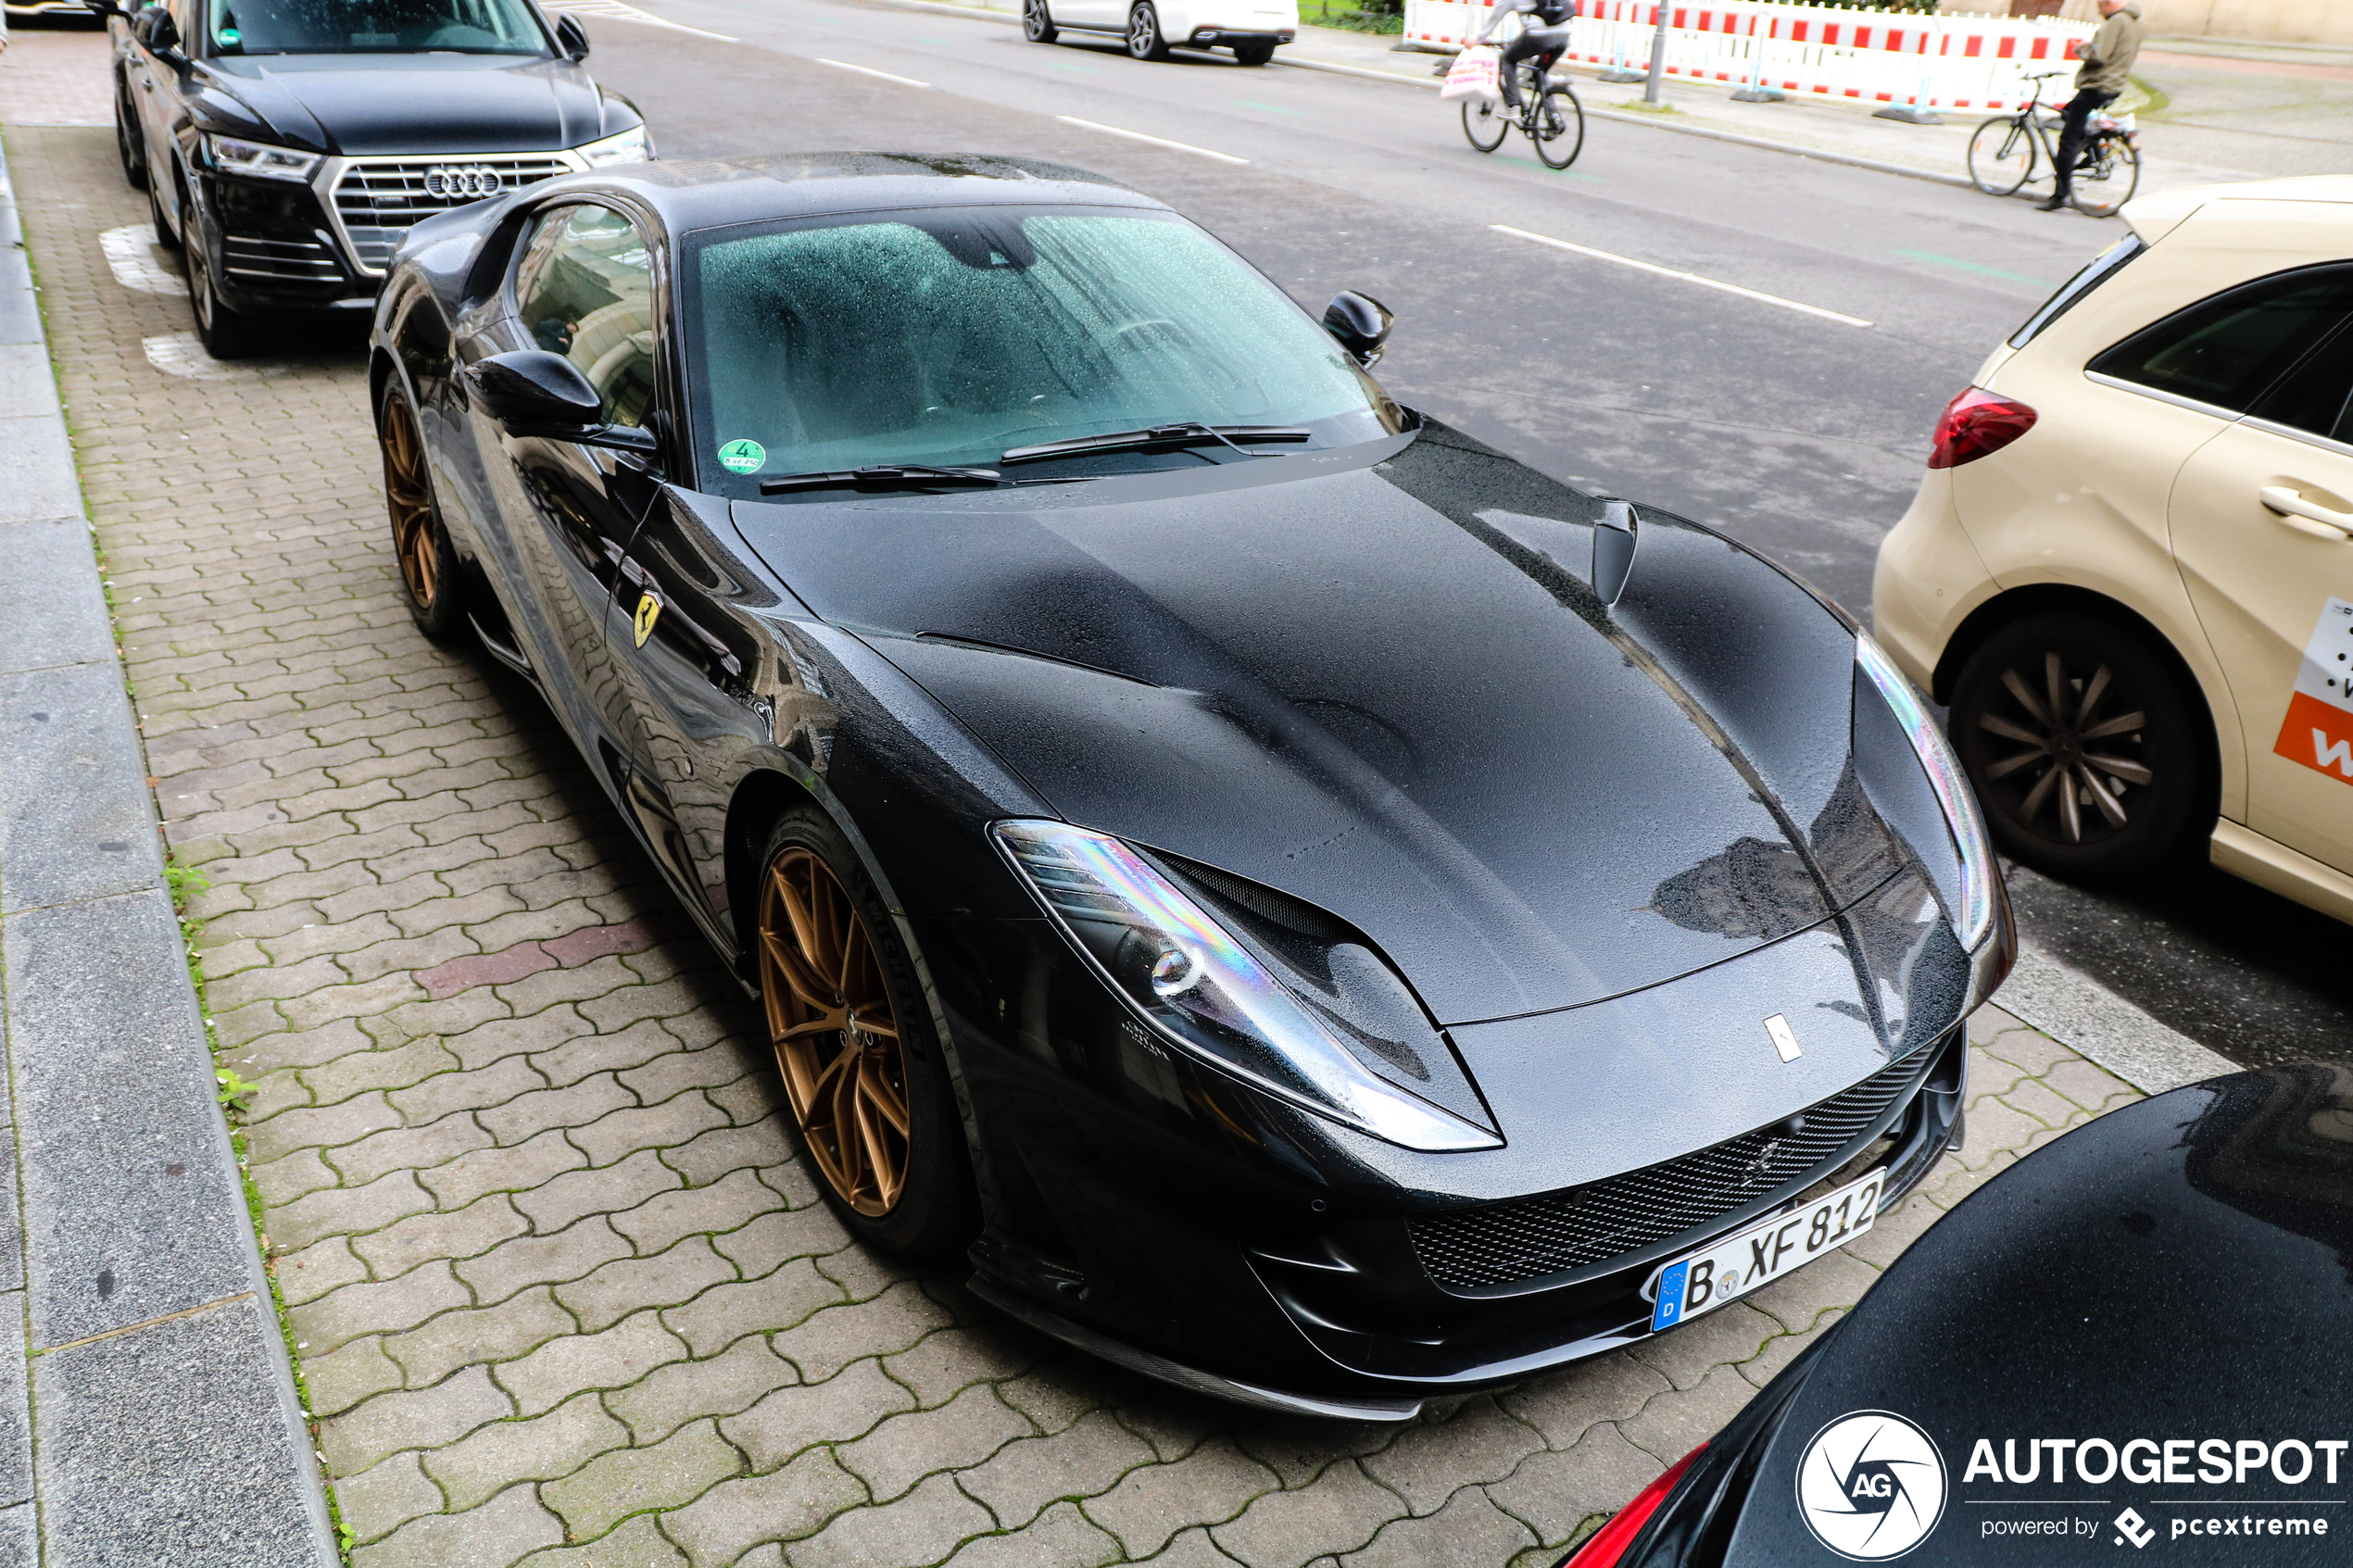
[2129, 570]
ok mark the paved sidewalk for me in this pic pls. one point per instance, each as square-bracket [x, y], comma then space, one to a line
[562, 1293]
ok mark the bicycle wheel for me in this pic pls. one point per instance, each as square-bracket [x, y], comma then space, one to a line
[2001, 157]
[2110, 174]
[1486, 121]
[1558, 128]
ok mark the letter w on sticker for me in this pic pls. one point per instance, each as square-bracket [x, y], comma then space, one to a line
[2318, 730]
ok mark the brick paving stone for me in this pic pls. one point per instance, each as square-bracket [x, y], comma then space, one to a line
[469, 1233]
[1061, 1537]
[1685, 1353]
[1029, 1475]
[721, 1526]
[297, 1175]
[727, 1384]
[1338, 1512]
[964, 1432]
[352, 1310]
[547, 1448]
[536, 1037]
[630, 1285]
[714, 1153]
[499, 1531]
[357, 1071]
[422, 1418]
[637, 1544]
[1210, 1486]
[1562, 1406]
[732, 1202]
[573, 1107]
[831, 1339]
[1554, 1492]
[317, 1269]
[655, 1126]
[475, 1090]
[340, 1379]
[409, 1149]
[1469, 1532]
[1783, 1349]
[670, 1473]
[944, 1364]
[2033, 1098]
[1428, 1464]
[726, 1313]
[571, 1253]
[385, 1497]
[2089, 1086]
[773, 1239]
[324, 1128]
[1674, 1423]
[586, 1052]
[515, 1328]
[843, 1408]
[922, 1527]
[523, 1170]
[613, 1358]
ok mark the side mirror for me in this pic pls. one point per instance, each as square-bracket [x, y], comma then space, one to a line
[573, 37]
[157, 32]
[1360, 325]
[105, 8]
[532, 391]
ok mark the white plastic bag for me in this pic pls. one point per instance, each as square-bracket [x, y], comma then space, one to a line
[1474, 75]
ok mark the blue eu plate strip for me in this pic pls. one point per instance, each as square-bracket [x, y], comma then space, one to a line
[1669, 1309]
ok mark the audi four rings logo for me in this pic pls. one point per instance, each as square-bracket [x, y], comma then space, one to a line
[450, 180]
[1872, 1486]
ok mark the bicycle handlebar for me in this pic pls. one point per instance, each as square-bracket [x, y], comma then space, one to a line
[2042, 75]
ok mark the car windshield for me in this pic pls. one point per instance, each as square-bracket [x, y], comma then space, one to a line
[394, 27]
[951, 336]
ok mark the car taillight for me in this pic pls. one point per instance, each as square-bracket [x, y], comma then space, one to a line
[1976, 424]
[1609, 1543]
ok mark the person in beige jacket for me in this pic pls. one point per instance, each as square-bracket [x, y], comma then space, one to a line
[2107, 61]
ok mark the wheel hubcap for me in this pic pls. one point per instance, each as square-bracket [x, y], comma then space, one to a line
[835, 1031]
[411, 506]
[1140, 31]
[2083, 756]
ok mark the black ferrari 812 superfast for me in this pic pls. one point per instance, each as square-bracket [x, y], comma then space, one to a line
[1310, 907]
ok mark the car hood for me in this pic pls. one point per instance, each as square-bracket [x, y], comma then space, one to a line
[1376, 679]
[355, 105]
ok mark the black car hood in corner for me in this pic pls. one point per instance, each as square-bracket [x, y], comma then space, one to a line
[418, 103]
[1372, 678]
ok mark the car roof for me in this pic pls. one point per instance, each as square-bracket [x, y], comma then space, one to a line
[2327, 200]
[711, 192]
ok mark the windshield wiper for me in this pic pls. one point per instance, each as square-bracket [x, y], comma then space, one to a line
[1187, 434]
[879, 476]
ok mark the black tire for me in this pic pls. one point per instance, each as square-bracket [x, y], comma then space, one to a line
[1145, 41]
[128, 143]
[1559, 132]
[2108, 176]
[226, 332]
[1486, 121]
[936, 1213]
[429, 567]
[1257, 52]
[1038, 23]
[2063, 796]
[2002, 155]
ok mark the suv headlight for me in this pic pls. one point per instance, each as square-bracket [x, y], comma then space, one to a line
[1979, 891]
[1205, 992]
[235, 154]
[630, 146]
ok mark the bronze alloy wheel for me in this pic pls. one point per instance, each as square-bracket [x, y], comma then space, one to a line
[414, 538]
[836, 1031]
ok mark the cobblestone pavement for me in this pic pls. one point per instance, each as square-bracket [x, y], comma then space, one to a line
[562, 1293]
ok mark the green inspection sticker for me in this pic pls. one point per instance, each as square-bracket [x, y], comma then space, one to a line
[742, 457]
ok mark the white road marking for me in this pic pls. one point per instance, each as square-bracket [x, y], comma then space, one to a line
[179, 353]
[1839, 316]
[130, 255]
[1155, 141]
[619, 12]
[869, 70]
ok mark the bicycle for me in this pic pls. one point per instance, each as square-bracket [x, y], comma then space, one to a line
[2003, 159]
[1549, 114]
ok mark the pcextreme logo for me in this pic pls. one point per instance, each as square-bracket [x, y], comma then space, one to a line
[1871, 1486]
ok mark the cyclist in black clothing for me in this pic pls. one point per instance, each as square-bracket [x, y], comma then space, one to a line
[1543, 38]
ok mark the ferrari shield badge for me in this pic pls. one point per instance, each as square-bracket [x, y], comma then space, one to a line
[2318, 730]
[648, 611]
[1784, 1038]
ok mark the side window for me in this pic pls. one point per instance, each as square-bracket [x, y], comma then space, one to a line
[2314, 396]
[2228, 349]
[584, 290]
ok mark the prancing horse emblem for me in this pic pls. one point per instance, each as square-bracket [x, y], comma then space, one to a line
[649, 610]
[1784, 1038]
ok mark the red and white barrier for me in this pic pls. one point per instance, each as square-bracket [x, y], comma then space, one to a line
[1959, 62]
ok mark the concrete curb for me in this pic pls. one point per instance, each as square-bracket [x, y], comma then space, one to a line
[2086, 1016]
[163, 1424]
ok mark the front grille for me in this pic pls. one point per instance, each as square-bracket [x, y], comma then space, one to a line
[285, 261]
[378, 200]
[1533, 1237]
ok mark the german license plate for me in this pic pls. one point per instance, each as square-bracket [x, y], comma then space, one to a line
[1730, 1269]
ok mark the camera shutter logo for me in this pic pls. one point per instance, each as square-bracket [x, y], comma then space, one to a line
[466, 182]
[1872, 1486]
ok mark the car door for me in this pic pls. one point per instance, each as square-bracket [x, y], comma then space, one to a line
[158, 76]
[2262, 525]
[584, 287]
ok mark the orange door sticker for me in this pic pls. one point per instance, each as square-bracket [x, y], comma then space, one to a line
[2319, 728]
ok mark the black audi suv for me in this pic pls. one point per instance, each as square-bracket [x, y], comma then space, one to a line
[289, 145]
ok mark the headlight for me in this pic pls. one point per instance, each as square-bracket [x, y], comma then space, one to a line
[1981, 895]
[630, 147]
[1205, 992]
[235, 156]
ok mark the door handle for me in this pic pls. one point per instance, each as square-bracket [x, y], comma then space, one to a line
[2304, 516]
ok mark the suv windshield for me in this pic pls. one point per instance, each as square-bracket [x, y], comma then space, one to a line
[951, 336]
[394, 27]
